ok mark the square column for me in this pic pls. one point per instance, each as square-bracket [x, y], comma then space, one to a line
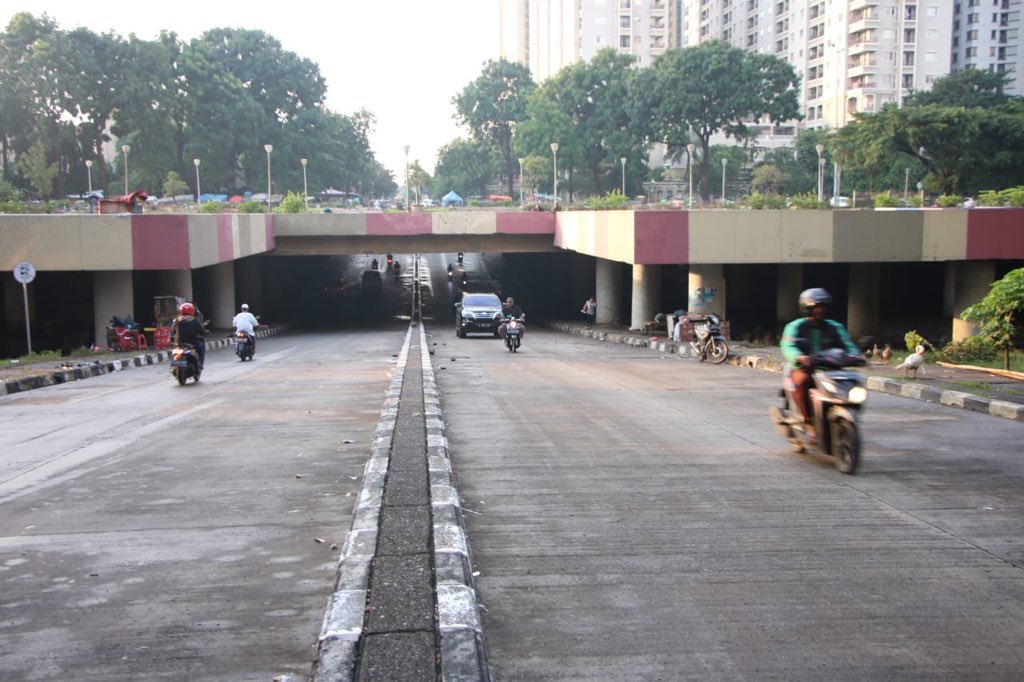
[790, 284]
[971, 283]
[222, 284]
[706, 289]
[112, 294]
[862, 304]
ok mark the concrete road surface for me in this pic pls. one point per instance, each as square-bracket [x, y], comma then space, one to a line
[634, 516]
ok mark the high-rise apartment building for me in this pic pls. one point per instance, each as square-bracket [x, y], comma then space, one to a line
[851, 55]
[987, 35]
[548, 35]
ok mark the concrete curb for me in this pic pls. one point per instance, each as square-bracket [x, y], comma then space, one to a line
[462, 652]
[94, 369]
[964, 401]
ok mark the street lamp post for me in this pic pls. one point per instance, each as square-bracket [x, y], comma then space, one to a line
[821, 170]
[920, 192]
[124, 150]
[623, 162]
[88, 166]
[198, 192]
[268, 148]
[521, 159]
[305, 190]
[554, 154]
[906, 183]
[689, 167]
[407, 207]
[725, 162]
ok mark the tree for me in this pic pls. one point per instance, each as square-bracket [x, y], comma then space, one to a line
[968, 88]
[996, 312]
[36, 167]
[493, 104]
[694, 92]
[768, 179]
[465, 166]
[174, 185]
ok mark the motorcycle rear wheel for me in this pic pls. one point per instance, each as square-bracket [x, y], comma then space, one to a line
[717, 351]
[180, 376]
[845, 446]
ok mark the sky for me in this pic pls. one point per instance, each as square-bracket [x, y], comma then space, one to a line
[402, 60]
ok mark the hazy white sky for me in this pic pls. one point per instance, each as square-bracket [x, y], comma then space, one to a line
[403, 60]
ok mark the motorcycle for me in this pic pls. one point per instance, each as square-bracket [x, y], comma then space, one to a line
[185, 363]
[245, 346]
[397, 271]
[708, 342]
[836, 399]
[390, 261]
[460, 257]
[451, 271]
[514, 332]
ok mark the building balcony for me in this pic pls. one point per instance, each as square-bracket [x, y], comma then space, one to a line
[863, 24]
[862, 69]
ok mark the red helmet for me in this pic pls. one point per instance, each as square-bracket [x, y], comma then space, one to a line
[187, 309]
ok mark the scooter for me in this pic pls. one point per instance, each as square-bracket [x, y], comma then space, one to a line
[245, 346]
[185, 363]
[837, 397]
[708, 342]
[514, 332]
[451, 271]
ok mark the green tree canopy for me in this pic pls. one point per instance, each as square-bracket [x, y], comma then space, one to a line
[493, 105]
[465, 166]
[997, 312]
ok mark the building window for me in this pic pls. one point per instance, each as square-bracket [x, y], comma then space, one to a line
[624, 42]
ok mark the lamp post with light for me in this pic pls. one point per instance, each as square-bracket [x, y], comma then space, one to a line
[554, 155]
[268, 148]
[689, 167]
[305, 191]
[906, 183]
[821, 170]
[198, 193]
[623, 162]
[725, 162]
[521, 159]
[407, 207]
[88, 166]
[124, 150]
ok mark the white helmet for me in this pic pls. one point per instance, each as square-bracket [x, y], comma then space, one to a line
[245, 306]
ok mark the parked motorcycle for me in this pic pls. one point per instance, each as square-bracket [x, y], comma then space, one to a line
[185, 363]
[836, 398]
[245, 346]
[708, 342]
[514, 332]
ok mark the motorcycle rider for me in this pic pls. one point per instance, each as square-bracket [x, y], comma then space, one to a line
[511, 310]
[246, 322]
[807, 336]
[187, 328]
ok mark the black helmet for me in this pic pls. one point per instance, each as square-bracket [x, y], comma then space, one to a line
[812, 297]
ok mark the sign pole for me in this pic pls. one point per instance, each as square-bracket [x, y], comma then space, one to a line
[25, 273]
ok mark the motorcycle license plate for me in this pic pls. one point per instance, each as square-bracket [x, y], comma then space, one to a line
[179, 363]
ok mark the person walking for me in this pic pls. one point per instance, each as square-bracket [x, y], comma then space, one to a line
[590, 310]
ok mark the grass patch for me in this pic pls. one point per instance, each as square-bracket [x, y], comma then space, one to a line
[43, 356]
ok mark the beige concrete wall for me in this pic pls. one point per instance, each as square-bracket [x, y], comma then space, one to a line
[878, 236]
[66, 242]
[944, 235]
[760, 236]
[203, 240]
[320, 224]
[464, 222]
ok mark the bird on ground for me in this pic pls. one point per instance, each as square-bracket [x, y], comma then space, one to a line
[887, 353]
[873, 352]
[913, 363]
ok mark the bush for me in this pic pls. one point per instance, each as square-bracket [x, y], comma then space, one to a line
[949, 200]
[913, 340]
[211, 207]
[806, 201]
[293, 203]
[756, 200]
[886, 200]
[12, 206]
[1014, 196]
[990, 197]
[612, 201]
[250, 206]
[971, 349]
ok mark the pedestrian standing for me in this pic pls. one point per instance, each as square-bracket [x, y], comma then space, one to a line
[590, 310]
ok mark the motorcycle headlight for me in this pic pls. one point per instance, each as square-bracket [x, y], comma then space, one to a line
[858, 394]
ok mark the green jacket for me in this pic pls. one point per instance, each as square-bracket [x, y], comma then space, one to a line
[803, 337]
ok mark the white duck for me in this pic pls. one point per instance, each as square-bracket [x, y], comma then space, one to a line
[913, 362]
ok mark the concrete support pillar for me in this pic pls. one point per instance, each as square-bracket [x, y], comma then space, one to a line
[112, 294]
[973, 280]
[646, 293]
[222, 285]
[706, 289]
[790, 284]
[176, 283]
[863, 299]
[583, 274]
[608, 283]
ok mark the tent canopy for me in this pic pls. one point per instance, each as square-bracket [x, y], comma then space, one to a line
[451, 198]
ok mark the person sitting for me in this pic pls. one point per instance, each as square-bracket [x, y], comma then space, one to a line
[806, 336]
[246, 322]
[188, 329]
[508, 311]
